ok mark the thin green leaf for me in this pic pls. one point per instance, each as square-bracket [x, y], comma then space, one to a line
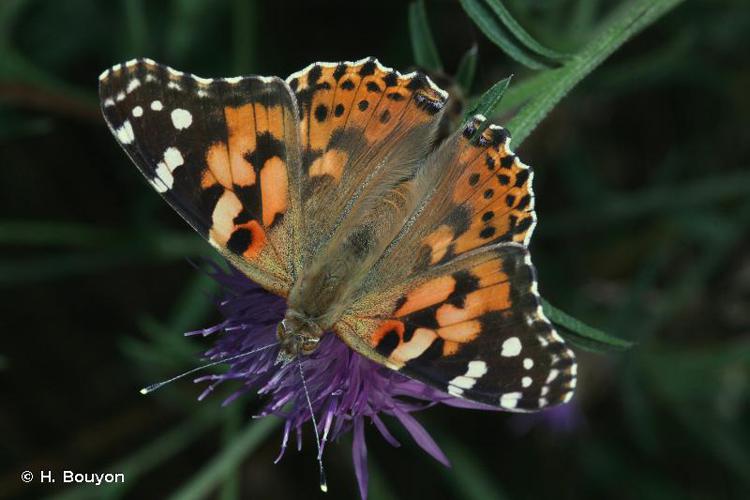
[523, 36]
[233, 420]
[490, 99]
[524, 90]
[216, 471]
[244, 34]
[423, 45]
[467, 69]
[164, 447]
[618, 208]
[629, 19]
[16, 232]
[378, 487]
[137, 25]
[587, 336]
[47, 91]
[489, 25]
[468, 478]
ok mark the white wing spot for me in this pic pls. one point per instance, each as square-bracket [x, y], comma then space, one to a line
[165, 176]
[137, 111]
[181, 118]
[204, 81]
[476, 369]
[568, 396]
[511, 347]
[125, 133]
[159, 185]
[108, 102]
[552, 375]
[528, 363]
[455, 391]
[474, 372]
[156, 105]
[463, 382]
[510, 399]
[132, 85]
[173, 158]
[233, 79]
[526, 381]
[120, 97]
[173, 85]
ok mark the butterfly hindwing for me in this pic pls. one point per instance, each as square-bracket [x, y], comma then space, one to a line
[473, 328]
[223, 152]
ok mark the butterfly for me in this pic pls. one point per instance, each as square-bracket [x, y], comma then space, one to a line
[328, 189]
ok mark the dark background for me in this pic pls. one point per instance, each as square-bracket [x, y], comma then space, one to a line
[642, 189]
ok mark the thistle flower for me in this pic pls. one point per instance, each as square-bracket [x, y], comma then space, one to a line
[345, 389]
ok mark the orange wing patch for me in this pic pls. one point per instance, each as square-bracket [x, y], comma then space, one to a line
[449, 307]
[492, 198]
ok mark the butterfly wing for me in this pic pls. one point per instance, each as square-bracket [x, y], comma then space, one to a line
[223, 152]
[362, 129]
[453, 301]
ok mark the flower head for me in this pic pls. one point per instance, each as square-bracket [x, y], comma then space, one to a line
[345, 388]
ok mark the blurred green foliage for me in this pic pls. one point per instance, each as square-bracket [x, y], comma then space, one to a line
[642, 189]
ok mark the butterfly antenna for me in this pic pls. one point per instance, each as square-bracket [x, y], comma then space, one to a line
[151, 388]
[323, 482]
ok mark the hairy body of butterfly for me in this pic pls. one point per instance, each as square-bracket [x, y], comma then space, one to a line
[325, 188]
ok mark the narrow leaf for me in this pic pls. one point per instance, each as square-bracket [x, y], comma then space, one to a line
[627, 21]
[470, 479]
[467, 69]
[490, 26]
[523, 36]
[588, 337]
[488, 102]
[422, 44]
[169, 444]
[217, 470]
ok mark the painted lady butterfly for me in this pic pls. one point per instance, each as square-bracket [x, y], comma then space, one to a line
[326, 188]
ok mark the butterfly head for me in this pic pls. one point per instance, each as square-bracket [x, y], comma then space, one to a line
[297, 335]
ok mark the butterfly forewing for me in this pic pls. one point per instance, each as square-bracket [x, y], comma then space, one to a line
[363, 126]
[223, 152]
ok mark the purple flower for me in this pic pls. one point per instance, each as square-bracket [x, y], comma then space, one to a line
[345, 388]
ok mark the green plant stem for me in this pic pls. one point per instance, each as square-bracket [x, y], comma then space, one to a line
[622, 207]
[216, 471]
[629, 19]
[423, 44]
[150, 456]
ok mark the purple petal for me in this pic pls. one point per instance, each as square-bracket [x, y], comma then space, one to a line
[384, 431]
[420, 435]
[359, 456]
